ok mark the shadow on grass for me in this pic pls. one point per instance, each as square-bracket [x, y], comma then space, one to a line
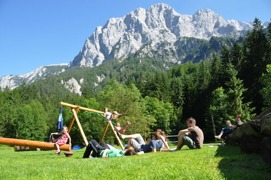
[239, 165]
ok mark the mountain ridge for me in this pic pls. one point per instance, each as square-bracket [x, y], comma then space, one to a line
[120, 37]
[13, 81]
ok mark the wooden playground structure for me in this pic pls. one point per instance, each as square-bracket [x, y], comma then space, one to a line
[49, 145]
[75, 109]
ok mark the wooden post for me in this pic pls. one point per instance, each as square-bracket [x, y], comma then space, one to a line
[109, 123]
[72, 121]
[116, 135]
[34, 144]
[105, 131]
[80, 127]
[213, 122]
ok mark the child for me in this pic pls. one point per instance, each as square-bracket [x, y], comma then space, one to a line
[111, 116]
[122, 129]
[238, 121]
[63, 139]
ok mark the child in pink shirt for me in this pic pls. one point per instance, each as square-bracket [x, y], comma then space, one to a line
[63, 139]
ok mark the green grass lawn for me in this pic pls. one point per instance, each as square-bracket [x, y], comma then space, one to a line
[210, 162]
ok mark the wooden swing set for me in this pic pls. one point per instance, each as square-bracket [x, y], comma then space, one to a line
[48, 145]
[75, 109]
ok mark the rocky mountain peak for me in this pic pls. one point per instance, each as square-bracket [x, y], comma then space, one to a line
[206, 13]
[120, 37]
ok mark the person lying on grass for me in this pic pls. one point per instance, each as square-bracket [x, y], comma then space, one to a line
[63, 139]
[192, 136]
[94, 149]
[139, 145]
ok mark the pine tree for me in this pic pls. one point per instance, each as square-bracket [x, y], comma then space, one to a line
[236, 56]
[225, 57]
[266, 77]
[266, 90]
[218, 109]
[234, 93]
[235, 96]
[254, 63]
[215, 69]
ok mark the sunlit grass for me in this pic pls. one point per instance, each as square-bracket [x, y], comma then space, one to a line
[211, 162]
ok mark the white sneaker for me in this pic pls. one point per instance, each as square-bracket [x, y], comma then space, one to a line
[140, 152]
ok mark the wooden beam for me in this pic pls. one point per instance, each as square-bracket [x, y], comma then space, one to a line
[80, 107]
[80, 127]
[116, 135]
[105, 131]
[35, 144]
[109, 123]
[72, 121]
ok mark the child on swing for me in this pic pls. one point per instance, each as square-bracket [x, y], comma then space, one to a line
[121, 129]
[110, 116]
[63, 139]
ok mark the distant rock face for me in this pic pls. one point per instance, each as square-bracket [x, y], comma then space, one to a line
[13, 81]
[73, 86]
[144, 30]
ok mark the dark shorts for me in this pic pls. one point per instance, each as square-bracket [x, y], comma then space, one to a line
[189, 142]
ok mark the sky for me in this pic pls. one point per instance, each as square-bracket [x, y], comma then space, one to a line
[34, 33]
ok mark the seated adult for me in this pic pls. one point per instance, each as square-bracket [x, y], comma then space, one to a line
[192, 136]
[94, 149]
[226, 130]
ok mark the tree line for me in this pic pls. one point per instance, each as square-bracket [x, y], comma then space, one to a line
[234, 81]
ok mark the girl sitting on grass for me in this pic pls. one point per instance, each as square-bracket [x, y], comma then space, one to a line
[161, 135]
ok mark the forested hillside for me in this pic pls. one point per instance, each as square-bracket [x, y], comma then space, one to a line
[151, 93]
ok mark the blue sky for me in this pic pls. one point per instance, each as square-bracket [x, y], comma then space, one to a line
[34, 33]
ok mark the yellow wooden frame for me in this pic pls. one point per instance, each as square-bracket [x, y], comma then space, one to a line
[75, 109]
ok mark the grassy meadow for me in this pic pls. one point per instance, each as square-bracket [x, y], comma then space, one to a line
[210, 162]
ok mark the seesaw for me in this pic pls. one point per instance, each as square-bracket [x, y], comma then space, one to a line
[34, 144]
